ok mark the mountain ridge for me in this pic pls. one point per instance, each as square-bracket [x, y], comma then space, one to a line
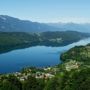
[81, 27]
[11, 24]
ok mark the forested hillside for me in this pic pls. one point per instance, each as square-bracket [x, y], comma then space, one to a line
[72, 74]
[14, 40]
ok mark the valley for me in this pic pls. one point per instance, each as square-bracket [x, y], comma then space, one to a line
[73, 70]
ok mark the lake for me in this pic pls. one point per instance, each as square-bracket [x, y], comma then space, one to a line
[38, 56]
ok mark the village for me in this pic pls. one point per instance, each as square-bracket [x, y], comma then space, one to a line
[45, 73]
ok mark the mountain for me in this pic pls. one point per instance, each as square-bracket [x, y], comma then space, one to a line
[16, 40]
[78, 53]
[61, 38]
[72, 26]
[11, 24]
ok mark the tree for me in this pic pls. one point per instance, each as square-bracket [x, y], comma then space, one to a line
[33, 84]
[10, 83]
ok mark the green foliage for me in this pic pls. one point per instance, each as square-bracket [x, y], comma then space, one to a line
[14, 40]
[78, 80]
[78, 53]
[33, 84]
[75, 79]
[10, 83]
[53, 84]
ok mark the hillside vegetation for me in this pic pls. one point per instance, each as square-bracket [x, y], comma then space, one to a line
[14, 40]
[78, 53]
[72, 74]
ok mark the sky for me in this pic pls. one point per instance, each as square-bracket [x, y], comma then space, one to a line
[46, 11]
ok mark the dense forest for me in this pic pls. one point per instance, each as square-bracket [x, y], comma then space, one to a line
[14, 40]
[72, 74]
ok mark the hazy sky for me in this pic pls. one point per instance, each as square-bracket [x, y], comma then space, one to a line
[47, 10]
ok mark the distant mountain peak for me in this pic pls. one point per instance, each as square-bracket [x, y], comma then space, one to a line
[72, 26]
[11, 24]
[2, 17]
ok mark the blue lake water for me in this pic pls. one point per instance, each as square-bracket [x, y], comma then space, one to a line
[38, 56]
